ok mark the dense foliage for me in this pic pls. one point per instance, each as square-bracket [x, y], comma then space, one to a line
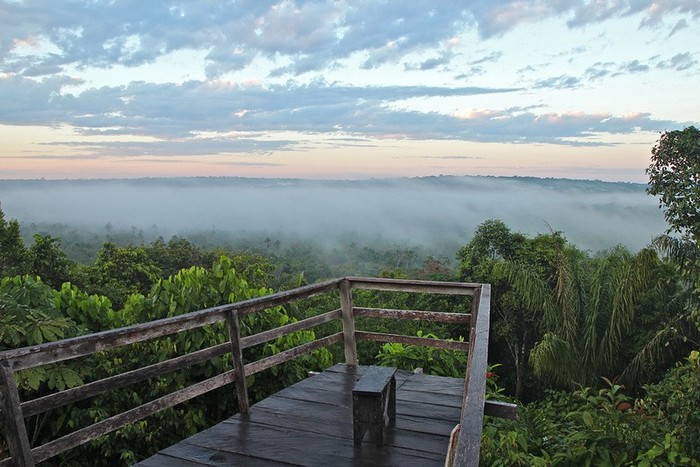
[674, 175]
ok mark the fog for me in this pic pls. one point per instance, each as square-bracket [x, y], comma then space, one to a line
[436, 213]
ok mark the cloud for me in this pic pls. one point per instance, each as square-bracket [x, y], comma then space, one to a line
[311, 35]
[680, 25]
[431, 63]
[680, 62]
[558, 82]
[635, 66]
[599, 70]
[222, 117]
[285, 66]
[652, 11]
[179, 147]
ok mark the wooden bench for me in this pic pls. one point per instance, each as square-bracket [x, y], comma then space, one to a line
[373, 402]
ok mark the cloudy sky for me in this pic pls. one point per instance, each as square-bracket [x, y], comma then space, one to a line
[343, 88]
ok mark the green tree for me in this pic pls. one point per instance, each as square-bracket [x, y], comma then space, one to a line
[48, 261]
[14, 257]
[515, 327]
[674, 175]
[119, 272]
[587, 309]
[176, 254]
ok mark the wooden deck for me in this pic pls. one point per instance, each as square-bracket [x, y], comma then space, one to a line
[310, 423]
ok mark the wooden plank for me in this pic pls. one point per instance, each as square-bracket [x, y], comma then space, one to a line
[356, 371]
[407, 285]
[186, 454]
[404, 407]
[234, 333]
[164, 460]
[424, 425]
[297, 446]
[336, 422]
[291, 354]
[412, 340]
[265, 336]
[309, 423]
[346, 306]
[336, 390]
[51, 401]
[428, 397]
[501, 409]
[341, 398]
[414, 315]
[471, 422]
[66, 349]
[15, 429]
[375, 379]
[103, 427]
[435, 384]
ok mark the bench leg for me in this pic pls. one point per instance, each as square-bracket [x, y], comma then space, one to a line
[368, 416]
[391, 409]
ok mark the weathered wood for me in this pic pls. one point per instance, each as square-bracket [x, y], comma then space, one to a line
[103, 427]
[65, 349]
[190, 455]
[346, 306]
[234, 332]
[297, 447]
[471, 421]
[314, 427]
[412, 340]
[501, 409]
[440, 405]
[415, 315]
[373, 399]
[58, 399]
[291, 354]
[308, 323]
[15, 429]
[406, 285]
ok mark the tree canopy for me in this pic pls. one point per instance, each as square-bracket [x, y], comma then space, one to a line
[674, 175]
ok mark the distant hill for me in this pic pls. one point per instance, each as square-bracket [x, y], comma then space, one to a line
[436, 213]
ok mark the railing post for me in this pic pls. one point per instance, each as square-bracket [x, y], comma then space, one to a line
[234, 332]
[17, 439]
[346, 310]
[472, 417]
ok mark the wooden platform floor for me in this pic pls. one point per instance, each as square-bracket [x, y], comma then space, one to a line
[310, 423]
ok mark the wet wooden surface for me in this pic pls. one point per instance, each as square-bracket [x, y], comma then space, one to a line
[310, 423]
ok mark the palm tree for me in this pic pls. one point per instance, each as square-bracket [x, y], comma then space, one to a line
[586, 308]
[677, 334]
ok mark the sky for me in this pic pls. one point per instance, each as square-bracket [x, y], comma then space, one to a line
[343, 89]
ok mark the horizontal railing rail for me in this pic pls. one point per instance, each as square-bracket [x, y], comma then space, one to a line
[14, 411]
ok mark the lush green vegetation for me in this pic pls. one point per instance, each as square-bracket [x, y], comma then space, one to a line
[600, 350]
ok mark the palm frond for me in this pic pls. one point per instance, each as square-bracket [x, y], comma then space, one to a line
[555, 360]
[660, 351]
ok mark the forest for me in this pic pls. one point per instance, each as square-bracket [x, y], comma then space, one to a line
[599, 349]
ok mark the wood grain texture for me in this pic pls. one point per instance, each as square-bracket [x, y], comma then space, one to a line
[310, 423]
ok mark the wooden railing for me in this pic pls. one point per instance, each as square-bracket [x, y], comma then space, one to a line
[15, 411]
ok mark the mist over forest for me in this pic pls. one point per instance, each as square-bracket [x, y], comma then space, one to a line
[436, 214]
